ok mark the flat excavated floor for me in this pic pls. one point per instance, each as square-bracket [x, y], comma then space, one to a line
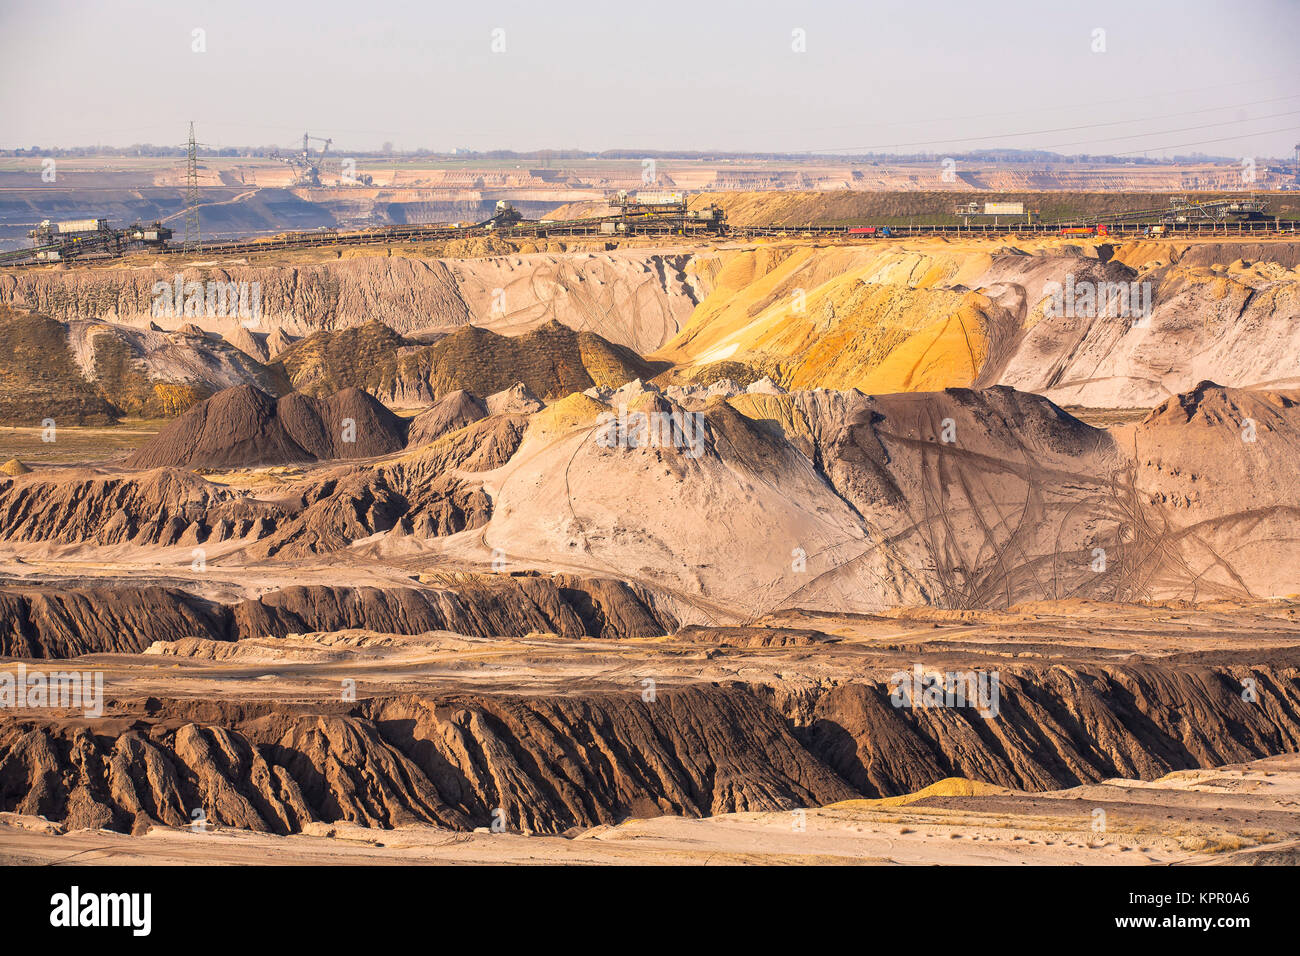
[1242, 814]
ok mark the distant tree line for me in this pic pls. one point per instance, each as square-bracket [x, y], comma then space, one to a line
[1002, 156]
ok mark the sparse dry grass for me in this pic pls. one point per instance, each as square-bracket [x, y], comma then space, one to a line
[77, 443]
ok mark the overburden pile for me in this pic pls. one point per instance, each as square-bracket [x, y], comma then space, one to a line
[244, 426]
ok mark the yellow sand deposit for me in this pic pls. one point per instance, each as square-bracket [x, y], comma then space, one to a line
[572, 411]
[874, 318]
[947, 787]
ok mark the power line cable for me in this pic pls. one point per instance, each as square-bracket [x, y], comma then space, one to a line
[1039, 132]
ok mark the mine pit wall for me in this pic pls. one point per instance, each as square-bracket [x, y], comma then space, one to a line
[1056, 726]
[656, 292]
[554, 763]
[548, 763]
[55, 623]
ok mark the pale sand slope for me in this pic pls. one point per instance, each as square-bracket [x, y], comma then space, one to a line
[916, 315]
[886, 515]
[1241, 814]
[639, 298]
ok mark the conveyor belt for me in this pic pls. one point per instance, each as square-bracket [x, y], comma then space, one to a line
[615, 227]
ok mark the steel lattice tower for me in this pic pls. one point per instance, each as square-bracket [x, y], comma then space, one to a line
[192, 195]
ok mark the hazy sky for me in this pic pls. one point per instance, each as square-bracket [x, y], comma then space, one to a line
[946, 76]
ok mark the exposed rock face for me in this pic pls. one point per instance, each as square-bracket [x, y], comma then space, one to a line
[342, 509]
[635, 297]
[89, 372]
[67, 622]
[52, 623]
[159, 374]
[477, 605]
[555, 762]
[162, 507]
[243, 426]
[410, 496]
[548, 763]
[1060, 727]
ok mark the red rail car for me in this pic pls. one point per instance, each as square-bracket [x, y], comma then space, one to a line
[1084, 231]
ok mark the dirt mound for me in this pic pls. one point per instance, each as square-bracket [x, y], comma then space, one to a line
[515, 400]
[13, 468]
[453, 411]
[348, 424]
[364, 357]
[233, 428]
[244, 426]
[965, 498]
[1194, 457]
[551, 361]
[40, 379]
[249, 344]
[482, 446]
[754, 636]
[278, 342]
[1210, 405]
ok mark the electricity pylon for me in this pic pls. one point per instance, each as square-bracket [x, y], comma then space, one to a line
[192, 195]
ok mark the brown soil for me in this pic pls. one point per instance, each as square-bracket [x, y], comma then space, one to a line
[243, 426]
